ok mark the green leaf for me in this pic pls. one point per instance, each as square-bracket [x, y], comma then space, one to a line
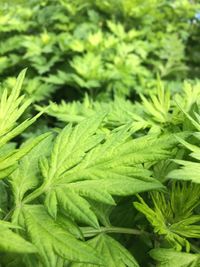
[71, 202]
[173, 216]
[8, 161]
[172, 258]
[52, 240]
[18, 129]
[11, 107]
[189, 171]
[112, 251]
[83, 165]
[69, 225]
[26, 176]
[12, 242]
[72, 144]
[123, 186]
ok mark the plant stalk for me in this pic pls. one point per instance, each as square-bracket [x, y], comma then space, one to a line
[89, 231]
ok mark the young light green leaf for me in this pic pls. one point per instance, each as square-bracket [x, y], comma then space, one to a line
[70, 201]
[173, 216]
[11, 107]
[9, 160]
[72, 144]
[189, 171]
[12, 242]
[18, 129]
[26, 176]
[116, 162]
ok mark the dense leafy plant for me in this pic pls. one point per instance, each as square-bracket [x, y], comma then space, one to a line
[160, 111]
[94, 192]
[99, 47]
[99, 149]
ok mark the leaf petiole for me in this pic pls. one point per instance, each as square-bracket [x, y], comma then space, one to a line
[89, 231]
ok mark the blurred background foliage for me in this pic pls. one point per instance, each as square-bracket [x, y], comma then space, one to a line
[105, 48]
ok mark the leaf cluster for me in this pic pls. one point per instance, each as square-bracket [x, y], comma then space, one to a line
[102, 48]
[67, 194]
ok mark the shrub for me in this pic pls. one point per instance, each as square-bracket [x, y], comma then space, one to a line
[83, 195]
[99, 47]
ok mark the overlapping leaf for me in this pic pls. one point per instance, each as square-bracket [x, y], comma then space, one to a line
[174, 217]
[85, 164]
[112, 251]
[12, 242]
[190, 170]
[172, 258]
[11, 108]
[53, 241]
[26, 176]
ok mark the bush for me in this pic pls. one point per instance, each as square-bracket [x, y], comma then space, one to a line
[104, 48]
[67, 194]
[99, 145]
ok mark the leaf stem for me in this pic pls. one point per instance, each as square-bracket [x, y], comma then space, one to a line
[35, 194]
[89, 231]
[8, 215]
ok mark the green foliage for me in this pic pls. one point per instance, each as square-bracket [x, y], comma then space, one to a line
[173, 215]
[53, 241]
[99, 47]
[69, 178]
[61, 189]
[156, 111]
[170, 258]
[113, 253]
[11, 242]
[190, 170]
